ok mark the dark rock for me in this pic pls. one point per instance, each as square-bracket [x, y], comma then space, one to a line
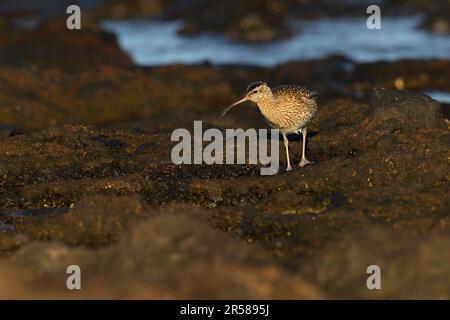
[410, 265]
[253, 21]
[404, 74]
[439, 24]
[445, 139]
[8, 131]
[119, 9]
[437, 17]
[412, 110]
[50, 44]
[93, 221]
[166, 257]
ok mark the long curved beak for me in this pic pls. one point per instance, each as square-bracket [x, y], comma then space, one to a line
[234, 104]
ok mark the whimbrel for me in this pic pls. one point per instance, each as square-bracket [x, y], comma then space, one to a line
[287, 108]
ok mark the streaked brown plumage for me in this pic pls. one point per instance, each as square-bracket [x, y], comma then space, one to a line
[287, 108]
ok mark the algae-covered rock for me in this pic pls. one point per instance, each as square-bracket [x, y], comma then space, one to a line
[86, 175]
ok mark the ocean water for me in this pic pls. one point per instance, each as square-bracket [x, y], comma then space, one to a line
[441, 96]
[157, 43]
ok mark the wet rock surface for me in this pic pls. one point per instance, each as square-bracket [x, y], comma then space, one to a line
[86, 178]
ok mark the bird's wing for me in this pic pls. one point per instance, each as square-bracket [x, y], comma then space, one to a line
[287, 89]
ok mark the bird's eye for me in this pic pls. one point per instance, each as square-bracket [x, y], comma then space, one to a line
[255, 91]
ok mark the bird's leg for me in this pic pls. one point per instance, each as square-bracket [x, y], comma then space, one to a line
[304, 161]
[286, 143]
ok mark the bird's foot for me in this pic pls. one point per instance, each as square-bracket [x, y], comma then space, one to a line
[288, 168]
[304, 162]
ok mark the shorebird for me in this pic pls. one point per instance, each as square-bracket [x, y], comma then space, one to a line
[288, 108]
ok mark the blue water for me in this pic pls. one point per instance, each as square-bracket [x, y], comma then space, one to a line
[441, 96]
[4, 227]
[157, 43]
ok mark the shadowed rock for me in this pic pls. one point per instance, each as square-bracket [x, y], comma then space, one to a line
[414, 111]
[167, 257]
[410, 265]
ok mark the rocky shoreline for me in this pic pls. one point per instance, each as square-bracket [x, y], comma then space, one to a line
[86, 178]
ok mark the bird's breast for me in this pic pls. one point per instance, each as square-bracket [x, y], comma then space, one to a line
[289, 114]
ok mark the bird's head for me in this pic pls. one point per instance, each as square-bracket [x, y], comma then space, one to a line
[255, 92]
